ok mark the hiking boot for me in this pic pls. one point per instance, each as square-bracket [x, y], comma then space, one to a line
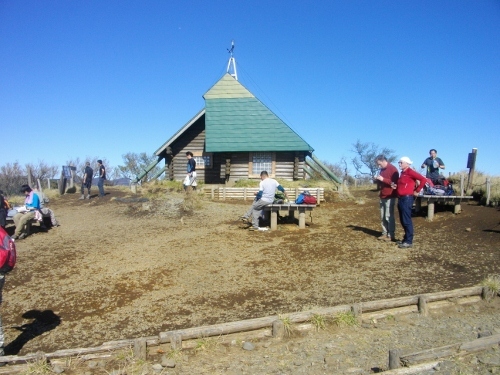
[22, 236]
[88, 196]
[384, 237]
[14, 237]
[253, 229]
[82, 197]
[243, 218]
[405, 245]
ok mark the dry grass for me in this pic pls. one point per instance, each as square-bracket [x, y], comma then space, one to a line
[492, 284]
[346, 319]
[318, 321]
[479, 185]
[287, 325]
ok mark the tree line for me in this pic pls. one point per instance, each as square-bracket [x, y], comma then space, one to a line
[13, 175]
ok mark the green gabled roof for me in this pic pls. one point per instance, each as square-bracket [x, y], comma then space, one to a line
[235, 120]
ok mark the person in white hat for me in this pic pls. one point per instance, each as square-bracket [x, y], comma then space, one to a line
[407, 189]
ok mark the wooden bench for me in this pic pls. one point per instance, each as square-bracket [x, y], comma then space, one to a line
[432, 199]
[10, 220]
[291, 208]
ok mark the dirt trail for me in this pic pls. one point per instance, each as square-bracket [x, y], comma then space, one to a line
[117, 269]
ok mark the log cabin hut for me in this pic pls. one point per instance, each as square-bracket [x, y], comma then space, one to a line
[235, 137]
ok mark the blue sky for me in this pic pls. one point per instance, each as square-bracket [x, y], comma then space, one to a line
[103, 78]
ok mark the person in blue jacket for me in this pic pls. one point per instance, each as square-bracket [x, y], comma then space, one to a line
[30, 210]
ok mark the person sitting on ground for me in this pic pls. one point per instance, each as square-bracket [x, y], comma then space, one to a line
[46, 212]
[32, 207]
[433, 164]
[265, 196]
[88, 174]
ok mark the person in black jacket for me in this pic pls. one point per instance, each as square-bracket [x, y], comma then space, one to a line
[88, 174]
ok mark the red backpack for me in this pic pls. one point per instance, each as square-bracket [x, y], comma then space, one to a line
[7, 252]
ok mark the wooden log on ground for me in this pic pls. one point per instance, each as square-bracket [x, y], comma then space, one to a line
[447, 303]
[390, 312]
[414, 370]
[430, 354]
[389, 303]
[300, 317]
[457, 293]
[480, 344]
[220, 329]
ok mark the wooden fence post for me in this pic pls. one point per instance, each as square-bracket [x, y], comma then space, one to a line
[30, 182]
[461, 185]
[422, 305]
[394, 358]
[488, 191]
[278, 328]
[140, 347]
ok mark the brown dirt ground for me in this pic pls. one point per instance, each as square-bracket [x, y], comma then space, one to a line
[118, 269]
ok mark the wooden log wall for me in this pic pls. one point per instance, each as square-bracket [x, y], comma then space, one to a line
[247, 194]
[176, 337]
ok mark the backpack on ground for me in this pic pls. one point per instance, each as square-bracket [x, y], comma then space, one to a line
[7, 252]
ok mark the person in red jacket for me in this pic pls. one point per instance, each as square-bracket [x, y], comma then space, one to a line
[407, 189]
[387, 178]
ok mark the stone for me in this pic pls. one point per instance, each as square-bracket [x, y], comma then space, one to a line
[247, 345]
[169, 363]
[157, 367]
[484, 334]
[57, 369]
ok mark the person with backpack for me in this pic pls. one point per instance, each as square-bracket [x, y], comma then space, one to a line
[88, 174]
[46, 212]
[29, 212]
[387, 178]
[407, 189]
[433, 164]
[102, 177]
[265, 196]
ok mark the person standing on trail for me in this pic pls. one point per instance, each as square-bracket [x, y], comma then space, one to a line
[407, 191]
[387, 178]
[88, 174]
[432, 165]
[102, 177]
[190, 179]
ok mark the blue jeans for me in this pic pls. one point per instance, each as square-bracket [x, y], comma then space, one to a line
[100, 185]
[404, 206]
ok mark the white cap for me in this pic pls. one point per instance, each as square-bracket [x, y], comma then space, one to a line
[406, 159]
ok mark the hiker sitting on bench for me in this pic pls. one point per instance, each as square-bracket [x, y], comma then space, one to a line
[30, 211]
[265, 196]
